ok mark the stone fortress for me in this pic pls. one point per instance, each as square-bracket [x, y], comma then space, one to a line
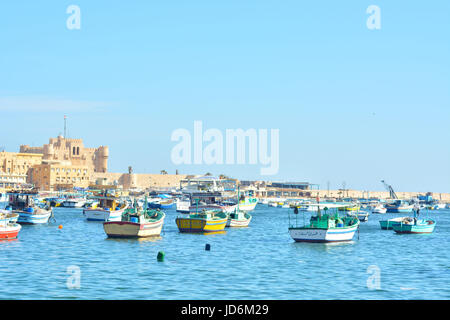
[65, 163]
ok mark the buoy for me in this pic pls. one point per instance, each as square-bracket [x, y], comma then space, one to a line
[60, 226]
[160, 256]
[208, 247]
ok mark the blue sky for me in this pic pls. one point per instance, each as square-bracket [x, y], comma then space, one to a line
[351, 104]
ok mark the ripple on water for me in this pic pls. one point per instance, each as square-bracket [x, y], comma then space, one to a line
[259, 262]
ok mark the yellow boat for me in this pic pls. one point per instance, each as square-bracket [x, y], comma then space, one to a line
[351, 209]
[202, 222]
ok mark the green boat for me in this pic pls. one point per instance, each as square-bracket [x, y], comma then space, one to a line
[415, 226]
[387, 224]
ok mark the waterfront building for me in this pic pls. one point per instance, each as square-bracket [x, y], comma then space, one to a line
[15, 168]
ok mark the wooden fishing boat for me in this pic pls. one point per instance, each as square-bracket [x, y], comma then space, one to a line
[238, 218]
[29, 213]
[8, 216]
[247, 202]
[327, 227]
[399, 206]
[387, 224]
[415, 226]
[166, 204]
[73, 203]
[350, 208]
[380, 209]
[202, 222]
[109, 208]
[136, 223]
[363, 216]
[9, 230]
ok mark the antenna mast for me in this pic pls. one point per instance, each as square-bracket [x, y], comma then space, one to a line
[65, 119]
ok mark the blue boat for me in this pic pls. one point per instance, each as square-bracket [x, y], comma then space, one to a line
[29, 213]
[399, 206]
[415, 226]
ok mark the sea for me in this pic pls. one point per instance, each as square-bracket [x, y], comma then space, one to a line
[71, 258]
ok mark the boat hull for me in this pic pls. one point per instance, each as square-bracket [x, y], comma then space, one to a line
[413, 228]
[387, 224]
[239, 223]
[323, 235]
[73, 204]
[103, 215]
[33, 218]
[10, 231]
[125, 229]
[197, 225]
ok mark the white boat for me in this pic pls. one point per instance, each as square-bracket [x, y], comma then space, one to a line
[440, 206]
[183, 205]
[108, 209]
[324, 227]
[247, 201]
[380, 209]
[273, 204]
[136, 223]
[238, 219]
[363, 216]
[73, 203]
[38, 216]
[9, 230]
[28, 212]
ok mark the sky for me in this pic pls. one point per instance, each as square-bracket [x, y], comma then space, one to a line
[353, 106]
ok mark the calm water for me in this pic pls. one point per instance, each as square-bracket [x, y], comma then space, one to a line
[260, 262]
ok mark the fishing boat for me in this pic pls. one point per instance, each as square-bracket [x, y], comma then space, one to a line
[238, 218]
[8, 216]
[350, 207]
[387, 224]
[9, 230]
[327, 227]
[379, 209]
[247, 202]
[415, 226]
[273, 204]
[109, 208]
[136, 223]
[202, 222]
[73, 203]
[22, 203]
[183, 204]
[363, 216]
[166, 204]
[399, 206]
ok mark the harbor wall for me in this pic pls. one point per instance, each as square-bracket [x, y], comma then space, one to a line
[444, 197]
[138, 180]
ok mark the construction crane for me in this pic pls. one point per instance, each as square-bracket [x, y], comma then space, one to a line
[392, 194]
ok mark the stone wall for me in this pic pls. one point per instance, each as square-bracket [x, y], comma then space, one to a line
[139, 180]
